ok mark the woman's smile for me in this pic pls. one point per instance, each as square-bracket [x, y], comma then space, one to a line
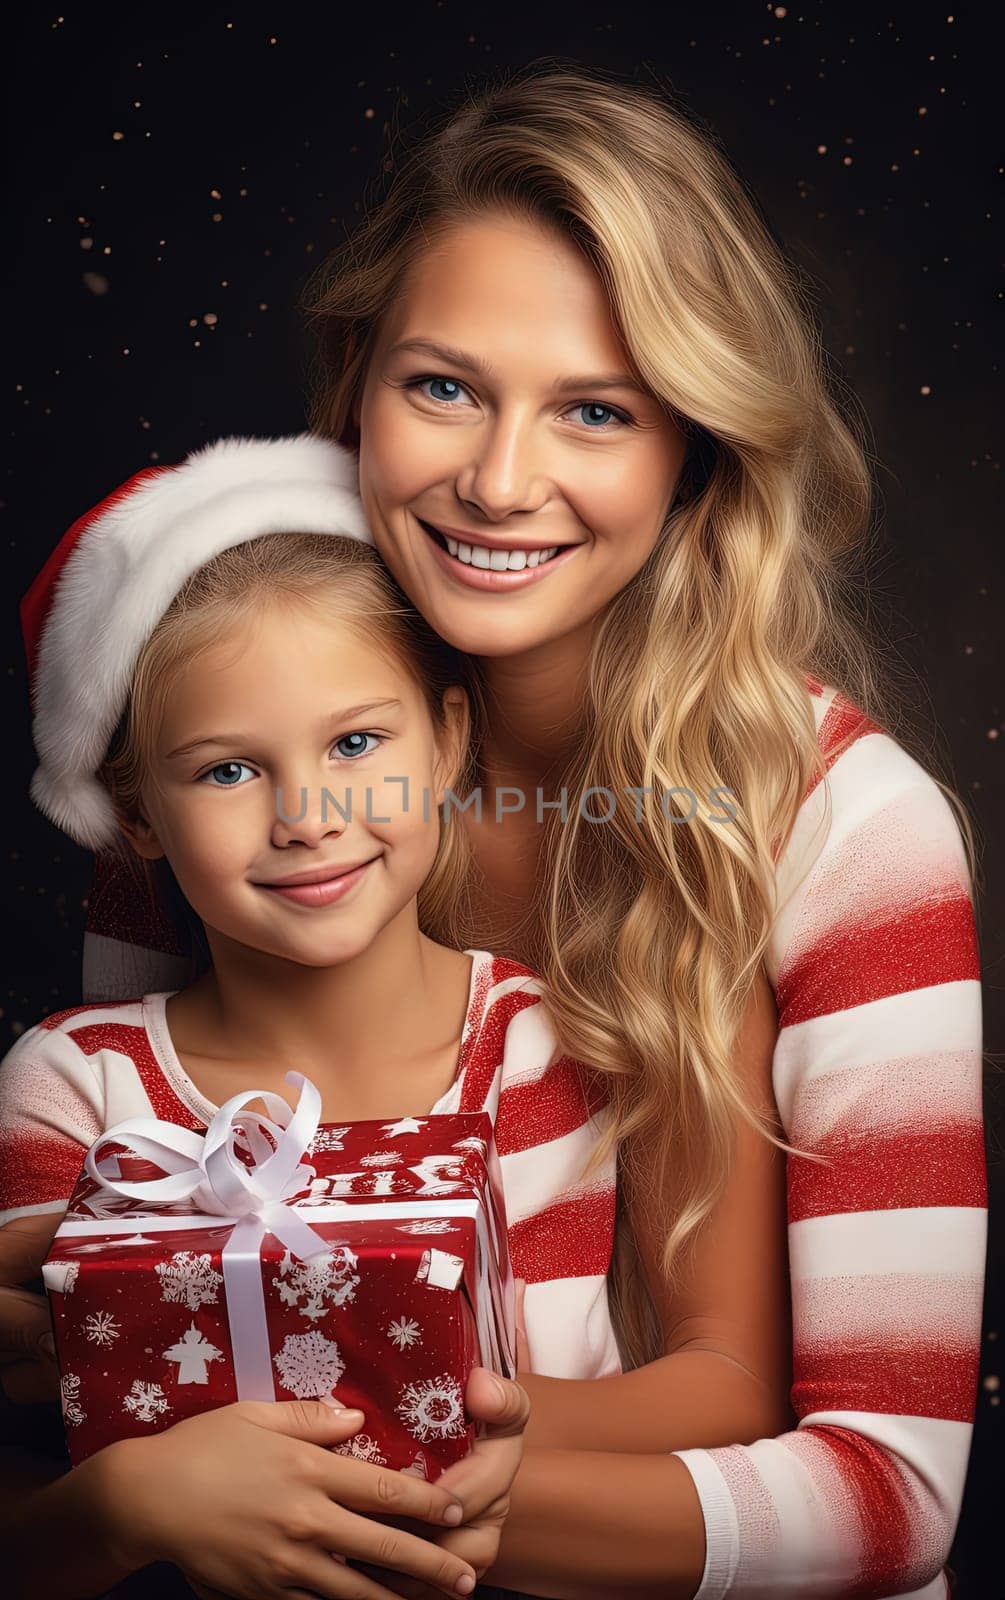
[495, 568]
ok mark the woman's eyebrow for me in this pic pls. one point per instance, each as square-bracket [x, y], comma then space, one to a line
[461, 358]
[444, 352]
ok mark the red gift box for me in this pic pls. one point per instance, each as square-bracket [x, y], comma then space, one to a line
[278, 1259]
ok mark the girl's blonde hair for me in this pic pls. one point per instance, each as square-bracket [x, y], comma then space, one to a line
[647, 934]
[339, 579]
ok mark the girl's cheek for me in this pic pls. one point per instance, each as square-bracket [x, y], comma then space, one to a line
[403, 810]
[209, 844]
[397, 779]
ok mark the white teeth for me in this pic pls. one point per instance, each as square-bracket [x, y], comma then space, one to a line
[476, 555]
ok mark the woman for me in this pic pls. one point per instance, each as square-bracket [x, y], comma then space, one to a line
[564, 343]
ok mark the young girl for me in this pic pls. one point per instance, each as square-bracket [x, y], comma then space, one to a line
[273, 729]
[565, 339]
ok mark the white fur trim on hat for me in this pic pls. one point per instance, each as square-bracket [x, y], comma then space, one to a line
[127, 568]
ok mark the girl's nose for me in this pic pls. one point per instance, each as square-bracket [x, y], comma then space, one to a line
[308, 814]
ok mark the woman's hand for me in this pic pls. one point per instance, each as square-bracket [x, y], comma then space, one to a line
[251, 1500]
[482, 1481]
[28, 1370]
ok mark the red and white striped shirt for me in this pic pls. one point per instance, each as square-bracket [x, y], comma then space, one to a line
[874, 963]
[78, 1072]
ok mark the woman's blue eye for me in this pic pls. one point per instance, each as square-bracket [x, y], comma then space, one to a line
[594, 406]
[448, 383]
[358, 744]
[230, 768]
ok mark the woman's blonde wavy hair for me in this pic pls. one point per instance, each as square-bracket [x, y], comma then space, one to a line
[649, 935]
[338, 579]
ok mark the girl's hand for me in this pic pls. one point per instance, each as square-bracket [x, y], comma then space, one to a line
[482, 1481]
[250, 1500]
[28, 1370]
[477, 1542]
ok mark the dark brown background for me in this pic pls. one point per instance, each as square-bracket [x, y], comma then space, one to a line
[175, 172]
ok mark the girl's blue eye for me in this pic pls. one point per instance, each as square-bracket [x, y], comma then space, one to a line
[226, 774]
[230, 768]
[357, 741]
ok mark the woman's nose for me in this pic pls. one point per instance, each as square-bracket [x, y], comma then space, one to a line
[502, 475]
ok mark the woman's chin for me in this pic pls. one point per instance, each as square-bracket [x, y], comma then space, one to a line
[502, 637]
[487, 625]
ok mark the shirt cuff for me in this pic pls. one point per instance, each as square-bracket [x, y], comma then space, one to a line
[722, 1532]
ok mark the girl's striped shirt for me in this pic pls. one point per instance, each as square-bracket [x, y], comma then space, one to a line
[78, 1072]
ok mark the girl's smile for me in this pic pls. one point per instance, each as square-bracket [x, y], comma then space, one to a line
[322, 887]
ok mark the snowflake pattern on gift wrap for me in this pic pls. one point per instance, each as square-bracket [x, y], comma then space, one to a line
[69, 1399]
[145, 1401]
[189, 1280]
[405, 1332]
[361, 1447]
[329, 1277]
[432, 1409]
[327, 1139]
[309, 1365]
[429, 1225]
[100, 1327]
[192, 1352]
[380, 1158]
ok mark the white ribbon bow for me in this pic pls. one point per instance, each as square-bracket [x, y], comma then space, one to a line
[207, 1169]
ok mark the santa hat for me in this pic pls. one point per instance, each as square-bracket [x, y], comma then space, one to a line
[113, 575]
